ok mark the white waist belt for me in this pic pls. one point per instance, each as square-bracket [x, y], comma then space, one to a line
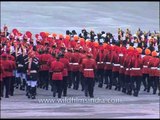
[144, 66]
[20, 65]
[75, 63]
[88, 69]
[127, 69]
[108, 62]
[153, 68]
[116, 64]
[33, 71]
[136, 68]
[121, 66]
[70, 63]
[99, 62]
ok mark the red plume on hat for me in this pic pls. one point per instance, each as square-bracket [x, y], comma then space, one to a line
[154, 53]
[4, 56]
[29, 34]
[36, 36]
[96, 44]
[43, 34]
[15, 31]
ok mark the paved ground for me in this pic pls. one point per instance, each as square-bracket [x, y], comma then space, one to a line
[106, 104]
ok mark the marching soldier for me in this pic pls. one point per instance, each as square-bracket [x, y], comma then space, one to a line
[136, 73]
[154, 63]
[145, 70]
[122, 70]
[12, 76]
[21, 73]
[75, 67]
[57, 77]
[45, 68]
[89, 66]
[32, 74]
[65, 61]
[115, 67]
[68, 55]
[127, 66]
[8, 71]
[1, 78]
[100, 68]
[108, 66]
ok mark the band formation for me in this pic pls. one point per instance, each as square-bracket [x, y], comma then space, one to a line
[73, 61]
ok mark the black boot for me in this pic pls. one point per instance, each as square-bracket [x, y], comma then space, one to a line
[24, 84]
[148, 90]
[17, 83]
[33, 94]
[86, 94]
[116, 88]
[124, 90]
[110, 87]
[107, 87]
[135, 93]
[154, 91]
[100, 85]
[145, 89]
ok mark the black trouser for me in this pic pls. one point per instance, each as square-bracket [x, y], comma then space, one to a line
[121, 83]
[57, 87]
[100, 76]
[64, 87]
[40, 82]
[127, 84]
[144, 81]
[45, 79]
[76, 80]
[70, 79]
[115, 79]
[82, 80]
[6, 85]
[159, 85]
[50, 80]
[1, 88]
[136, 84]
[12, 81]
[154, 83]
[89, 86]
[96, 75]
[107, 76]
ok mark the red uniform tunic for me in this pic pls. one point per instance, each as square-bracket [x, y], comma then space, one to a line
[82, 56]
[52, 59]
[100, 63]
[13, 64]
[68, 55]
[75, 62]
[153, 65]
[1, 71]
[89, 65]
[122, 69]
[57, 67]
[136, 65]
[43, 62]
[145, 69]
[107, 61]
[127, 64]
[65, 61]
[8, 68]
[115, 61]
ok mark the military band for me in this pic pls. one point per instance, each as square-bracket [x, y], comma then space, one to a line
[73, 62]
